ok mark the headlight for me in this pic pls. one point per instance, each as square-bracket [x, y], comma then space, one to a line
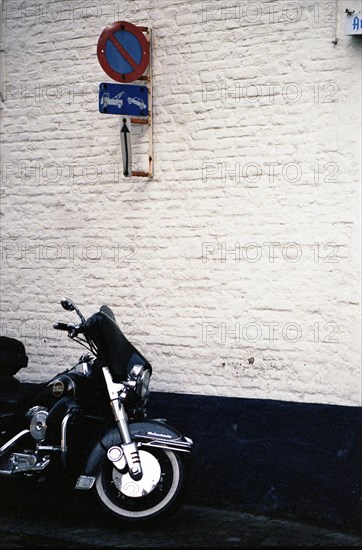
[140, 381]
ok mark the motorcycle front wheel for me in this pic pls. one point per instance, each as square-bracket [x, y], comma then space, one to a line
[158, 493]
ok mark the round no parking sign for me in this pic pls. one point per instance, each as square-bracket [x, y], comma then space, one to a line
[123, 51]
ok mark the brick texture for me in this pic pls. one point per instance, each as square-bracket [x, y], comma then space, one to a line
[235, 270]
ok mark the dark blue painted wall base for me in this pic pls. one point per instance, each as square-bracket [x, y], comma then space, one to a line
[271, 457]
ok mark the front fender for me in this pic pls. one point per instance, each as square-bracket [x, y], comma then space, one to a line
[151, 433]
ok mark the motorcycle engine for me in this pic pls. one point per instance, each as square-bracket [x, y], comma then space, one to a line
[37, 417]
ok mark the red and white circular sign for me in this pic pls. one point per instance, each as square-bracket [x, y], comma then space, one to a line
[123, 51]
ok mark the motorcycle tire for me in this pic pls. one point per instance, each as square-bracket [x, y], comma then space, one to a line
[114, 490]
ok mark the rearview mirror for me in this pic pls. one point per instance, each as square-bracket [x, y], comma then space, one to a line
[67, 304]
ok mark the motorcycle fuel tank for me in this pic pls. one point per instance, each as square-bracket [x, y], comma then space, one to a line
[63, 385]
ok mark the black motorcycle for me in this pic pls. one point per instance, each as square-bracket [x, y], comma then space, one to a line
[90, 423]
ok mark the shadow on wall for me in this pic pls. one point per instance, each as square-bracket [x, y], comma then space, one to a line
[271, 457]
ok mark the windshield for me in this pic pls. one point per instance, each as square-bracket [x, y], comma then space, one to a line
[107, 310]
[113, 347]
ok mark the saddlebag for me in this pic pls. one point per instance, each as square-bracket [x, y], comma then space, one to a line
[12, 356]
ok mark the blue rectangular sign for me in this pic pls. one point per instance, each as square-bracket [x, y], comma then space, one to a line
[123, 99]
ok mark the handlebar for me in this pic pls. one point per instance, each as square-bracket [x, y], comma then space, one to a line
[73, 330]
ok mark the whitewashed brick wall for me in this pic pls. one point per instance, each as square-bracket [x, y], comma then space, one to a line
[256, 141]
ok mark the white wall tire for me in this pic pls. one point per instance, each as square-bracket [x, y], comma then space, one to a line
[163, 499]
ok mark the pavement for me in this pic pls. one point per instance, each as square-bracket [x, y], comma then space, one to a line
[37, 519]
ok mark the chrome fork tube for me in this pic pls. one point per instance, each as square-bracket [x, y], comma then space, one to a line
[121, 419]
[129, 447]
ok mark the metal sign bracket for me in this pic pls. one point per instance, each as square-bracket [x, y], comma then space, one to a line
[147, 121]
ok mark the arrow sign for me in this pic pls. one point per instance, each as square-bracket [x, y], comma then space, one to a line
[126, 145]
